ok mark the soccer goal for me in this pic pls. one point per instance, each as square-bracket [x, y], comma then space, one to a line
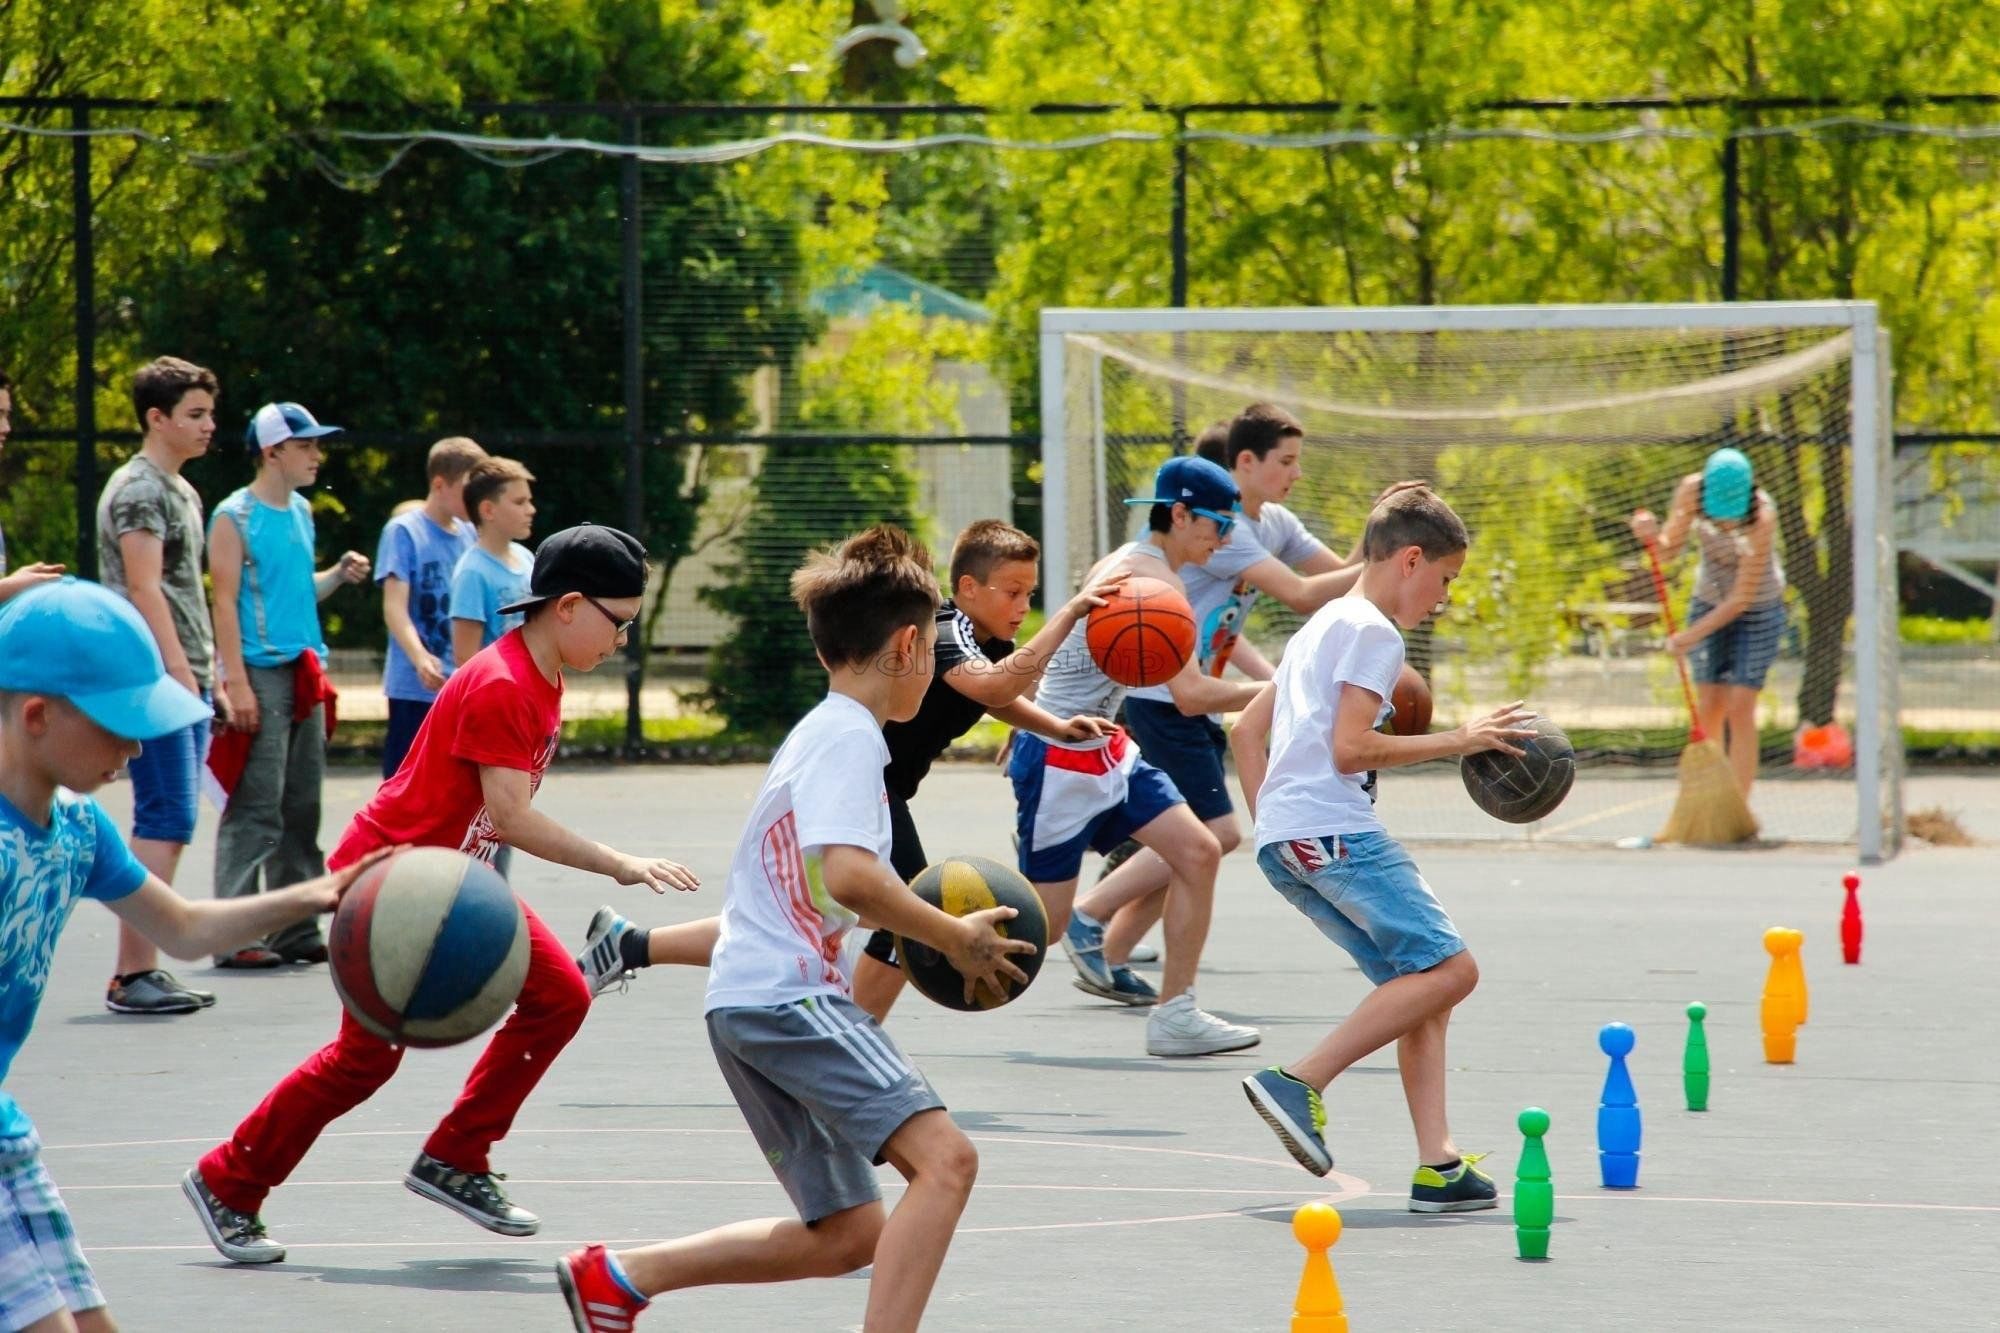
[1545, 427]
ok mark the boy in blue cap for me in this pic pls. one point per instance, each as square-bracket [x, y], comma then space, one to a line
[81, 685]
[1074, 796]
[271, 658]
[1737, 615]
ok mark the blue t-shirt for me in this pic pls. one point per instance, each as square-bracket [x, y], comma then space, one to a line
[275, 603]
[423, 555]
[43, 871]
[483, 584]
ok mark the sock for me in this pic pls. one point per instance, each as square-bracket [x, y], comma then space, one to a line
[1446, 1168]
[617, 1271]
[634, 948]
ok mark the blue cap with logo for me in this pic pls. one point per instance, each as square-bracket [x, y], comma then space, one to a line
[86, 644]
[1195, 482]
[274, 423]
[1725, 484]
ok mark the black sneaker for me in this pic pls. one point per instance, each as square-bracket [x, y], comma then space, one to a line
[475, 1194]
[239, 1236]
[153, 992]
[1465, 1189]
[307, 951]
[255, 957]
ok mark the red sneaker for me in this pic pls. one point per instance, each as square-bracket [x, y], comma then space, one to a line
[598, 1302]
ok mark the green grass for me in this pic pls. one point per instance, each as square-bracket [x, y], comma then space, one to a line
[1936, 631]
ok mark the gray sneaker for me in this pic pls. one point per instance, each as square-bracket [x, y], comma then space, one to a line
[602, 961]
[473, 1194]
[1178, 1027]
[239, 1236]
[154, 992]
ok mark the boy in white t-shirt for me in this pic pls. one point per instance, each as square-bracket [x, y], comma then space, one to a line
[826, 1092]
[1322, 847]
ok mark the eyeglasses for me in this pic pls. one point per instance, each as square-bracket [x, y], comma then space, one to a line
[1223, 522]
[621, 627]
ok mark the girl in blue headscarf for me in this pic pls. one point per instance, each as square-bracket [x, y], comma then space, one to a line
[1737, 614]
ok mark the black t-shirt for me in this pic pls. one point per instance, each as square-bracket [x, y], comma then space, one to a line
[945, 714]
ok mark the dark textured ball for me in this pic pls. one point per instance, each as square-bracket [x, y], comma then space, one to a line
[1522, 790]
[961, 885]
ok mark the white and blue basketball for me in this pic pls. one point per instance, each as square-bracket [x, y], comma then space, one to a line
[429, 948]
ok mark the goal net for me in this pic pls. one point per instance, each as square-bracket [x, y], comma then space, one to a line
[1545, 427]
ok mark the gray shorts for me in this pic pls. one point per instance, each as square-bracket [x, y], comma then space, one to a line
[823, 1088]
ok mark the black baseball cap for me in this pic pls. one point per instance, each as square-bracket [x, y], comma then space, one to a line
[595, 561]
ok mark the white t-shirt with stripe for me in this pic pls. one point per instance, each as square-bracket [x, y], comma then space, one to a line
[781, 929]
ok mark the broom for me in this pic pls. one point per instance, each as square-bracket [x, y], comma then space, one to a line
[1709, 808]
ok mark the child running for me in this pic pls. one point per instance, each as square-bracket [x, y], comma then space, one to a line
[975, 670]
[826, 1092]
[468, 783]
[1074, 796]
[82, 684]
[1321, 846]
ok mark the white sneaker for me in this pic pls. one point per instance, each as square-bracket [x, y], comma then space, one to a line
[1177, 1027]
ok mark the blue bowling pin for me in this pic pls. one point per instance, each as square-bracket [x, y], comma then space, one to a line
[1618, 1113]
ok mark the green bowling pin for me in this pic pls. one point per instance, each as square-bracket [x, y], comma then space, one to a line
[1534, 1196]
[1694, 1062]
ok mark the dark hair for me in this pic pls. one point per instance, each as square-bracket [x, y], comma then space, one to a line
[1259, 428]
[164, 381]
[986, 545]
[489, 477]
[1415, 517]
[1213, 443]
[857, 594]
[5, 383]
[452, 457]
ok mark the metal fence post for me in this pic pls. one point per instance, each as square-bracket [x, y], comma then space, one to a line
[85, 262]
[635, 410]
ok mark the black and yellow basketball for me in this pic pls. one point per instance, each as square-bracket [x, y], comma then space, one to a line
[963, 884]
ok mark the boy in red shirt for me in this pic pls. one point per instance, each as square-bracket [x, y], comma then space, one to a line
[467, 783]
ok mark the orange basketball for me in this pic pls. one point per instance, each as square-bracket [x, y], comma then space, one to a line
[1143, 633]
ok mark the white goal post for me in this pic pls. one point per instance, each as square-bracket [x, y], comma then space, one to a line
[1432, 386]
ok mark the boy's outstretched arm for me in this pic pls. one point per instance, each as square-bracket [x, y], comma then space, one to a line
[1358, 747]
[864, 884]
[995, 684]
[517, 823]
[190, 930]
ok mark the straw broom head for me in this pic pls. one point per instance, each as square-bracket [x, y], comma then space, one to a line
[1709, 809]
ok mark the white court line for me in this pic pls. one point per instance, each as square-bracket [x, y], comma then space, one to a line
[768, 1182]
[1571, 825]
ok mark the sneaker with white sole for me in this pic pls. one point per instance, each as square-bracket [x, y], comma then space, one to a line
[1463, 1189]
[1295, 1112]
[602, 961]
[1144, 953]
[473, 1194]
[238, 1236]
[1127, 987]
[1179, 1027]
[1083, 941]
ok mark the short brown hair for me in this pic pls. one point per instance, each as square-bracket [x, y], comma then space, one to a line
[1213, 443]
[1414, 517]
[988, 544]
[1260, 428]
[164, 381]
[489, 477]
[855, 595]
[453, 457]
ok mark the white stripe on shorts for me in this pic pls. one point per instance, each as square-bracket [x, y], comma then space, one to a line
[867, 1049]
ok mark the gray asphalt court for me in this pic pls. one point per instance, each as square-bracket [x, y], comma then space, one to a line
[1850, 1190]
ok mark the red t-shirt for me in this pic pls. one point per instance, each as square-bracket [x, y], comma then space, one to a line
[498, 710]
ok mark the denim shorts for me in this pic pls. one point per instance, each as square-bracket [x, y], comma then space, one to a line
[1741, 652]
[1187, 749]
[1364, 893]
[166, 784]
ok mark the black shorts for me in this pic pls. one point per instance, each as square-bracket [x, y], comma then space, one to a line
[906, 858]
[1187, 749]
